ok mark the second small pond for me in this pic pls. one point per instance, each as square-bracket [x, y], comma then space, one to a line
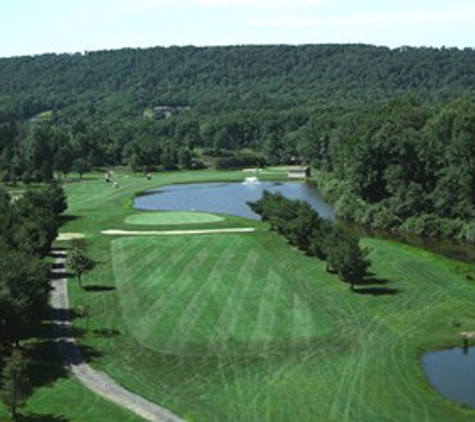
[452, 373]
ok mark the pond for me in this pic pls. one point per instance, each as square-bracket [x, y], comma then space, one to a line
[229, 198]
[452, 373]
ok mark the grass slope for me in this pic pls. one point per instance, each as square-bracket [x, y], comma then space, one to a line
[172, 218]
[245, 328]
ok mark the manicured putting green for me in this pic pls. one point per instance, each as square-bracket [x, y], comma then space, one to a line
[172, 218]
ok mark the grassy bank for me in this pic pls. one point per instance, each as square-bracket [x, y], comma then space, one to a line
[246, 328]
[65, 399]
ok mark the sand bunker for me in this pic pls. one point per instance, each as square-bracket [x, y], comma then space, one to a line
[70, 236]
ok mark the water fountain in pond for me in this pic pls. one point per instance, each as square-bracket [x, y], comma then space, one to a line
[252, 180]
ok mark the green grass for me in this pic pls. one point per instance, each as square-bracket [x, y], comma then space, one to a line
[246, 328]
[172, 218]
[68, 400]
[237, 295]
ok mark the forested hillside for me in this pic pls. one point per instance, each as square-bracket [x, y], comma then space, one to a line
[392, 130]
[231, 78]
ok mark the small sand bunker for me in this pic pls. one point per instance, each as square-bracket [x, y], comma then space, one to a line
[467, 334]
[70, 236]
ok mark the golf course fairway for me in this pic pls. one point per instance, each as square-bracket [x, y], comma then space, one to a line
[244, 327]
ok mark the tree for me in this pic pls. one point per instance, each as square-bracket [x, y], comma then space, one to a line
[24, 293]
[16, 386]
[63, 160]
[345, 257]
[81, 165]
[185, 156]
[36, 216]
[79, 260]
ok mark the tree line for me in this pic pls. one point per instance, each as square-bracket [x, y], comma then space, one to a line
[28, 226]
[301, 225]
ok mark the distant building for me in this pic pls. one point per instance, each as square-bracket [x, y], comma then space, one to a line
[167, 110]
[298, 172]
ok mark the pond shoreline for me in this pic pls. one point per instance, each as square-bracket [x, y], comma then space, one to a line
[451, 372]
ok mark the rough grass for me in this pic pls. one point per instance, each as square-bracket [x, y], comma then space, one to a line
[246, 328]
[172, 218]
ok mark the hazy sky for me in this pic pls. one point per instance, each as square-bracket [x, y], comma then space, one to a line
[41, 26]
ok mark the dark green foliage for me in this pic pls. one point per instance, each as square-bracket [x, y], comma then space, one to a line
[236, 78]
[406, 167]
[5, 216]
[36, 214]
[51, 197]
[16, 386]
[304, 228]
[345, 257]
[24, 293]
[28, 226]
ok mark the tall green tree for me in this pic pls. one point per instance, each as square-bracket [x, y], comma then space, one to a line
[15, 384]
[79, 260]
[24, 293]
[345, 256]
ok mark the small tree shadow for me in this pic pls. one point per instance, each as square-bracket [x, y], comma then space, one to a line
[57, 252]
[369, 281]
[45, 366]
[64, 315]
[61, 275]
[63, 219]
[31, 417]
[377, 291]
[73, 355]
[106, 332]
[99, 288]
[375, 286]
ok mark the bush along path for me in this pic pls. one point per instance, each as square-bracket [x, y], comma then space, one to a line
[96, 381]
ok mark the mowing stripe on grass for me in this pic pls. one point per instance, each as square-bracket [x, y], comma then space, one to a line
[217, 294]
[302, 324]
[228, 317]
[266, 317]
[191, 314]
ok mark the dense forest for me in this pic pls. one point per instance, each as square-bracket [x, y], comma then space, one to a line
[391, 131]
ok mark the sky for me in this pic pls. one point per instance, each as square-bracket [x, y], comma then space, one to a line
[31, 27]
